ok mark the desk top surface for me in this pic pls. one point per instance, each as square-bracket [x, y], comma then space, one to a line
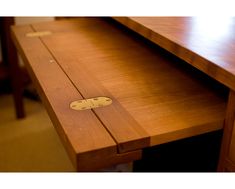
[207, 43]
[157, 98]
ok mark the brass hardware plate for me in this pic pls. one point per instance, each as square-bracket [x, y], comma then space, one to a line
[38, 34]
[90, 103]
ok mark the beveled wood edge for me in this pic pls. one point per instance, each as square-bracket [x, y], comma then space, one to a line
[180, 51]
[80, 166]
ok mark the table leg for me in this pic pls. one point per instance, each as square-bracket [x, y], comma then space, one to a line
[228, 134]
[10, 58]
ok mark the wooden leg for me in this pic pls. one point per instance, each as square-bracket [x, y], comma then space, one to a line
[10, 58]
[228, 131]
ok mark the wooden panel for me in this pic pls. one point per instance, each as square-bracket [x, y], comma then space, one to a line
[82, 133]
[124, 129]
[166, 97]
[206, 43]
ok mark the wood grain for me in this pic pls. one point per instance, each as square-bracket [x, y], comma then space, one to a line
[207, 43]
[166, 97]
[125, 130]
[157, 98]
[227, 146]
[82, 134]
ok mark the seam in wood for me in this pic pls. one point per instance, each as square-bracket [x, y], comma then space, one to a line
[107, 127]
[56, 61]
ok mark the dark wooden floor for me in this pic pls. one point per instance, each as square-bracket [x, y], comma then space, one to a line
[195, 154]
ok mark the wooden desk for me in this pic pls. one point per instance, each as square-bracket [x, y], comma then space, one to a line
[156, 97]
[207, 44]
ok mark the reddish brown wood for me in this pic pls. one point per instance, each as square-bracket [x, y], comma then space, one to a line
[10, 60]
[122, 126]
[101, 59]
[228, 165]
[154, 95]
[228, 133]
[206, 43]
[87, 142]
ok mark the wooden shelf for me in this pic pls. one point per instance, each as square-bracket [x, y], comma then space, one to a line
[157, 98]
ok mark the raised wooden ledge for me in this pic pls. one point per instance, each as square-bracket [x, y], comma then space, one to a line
[204, 42]
[157, 98]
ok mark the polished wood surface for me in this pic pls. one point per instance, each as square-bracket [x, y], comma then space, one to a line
[71, 53]
[81, 132]
[138, 77]
[157, 97]
[205, 42]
